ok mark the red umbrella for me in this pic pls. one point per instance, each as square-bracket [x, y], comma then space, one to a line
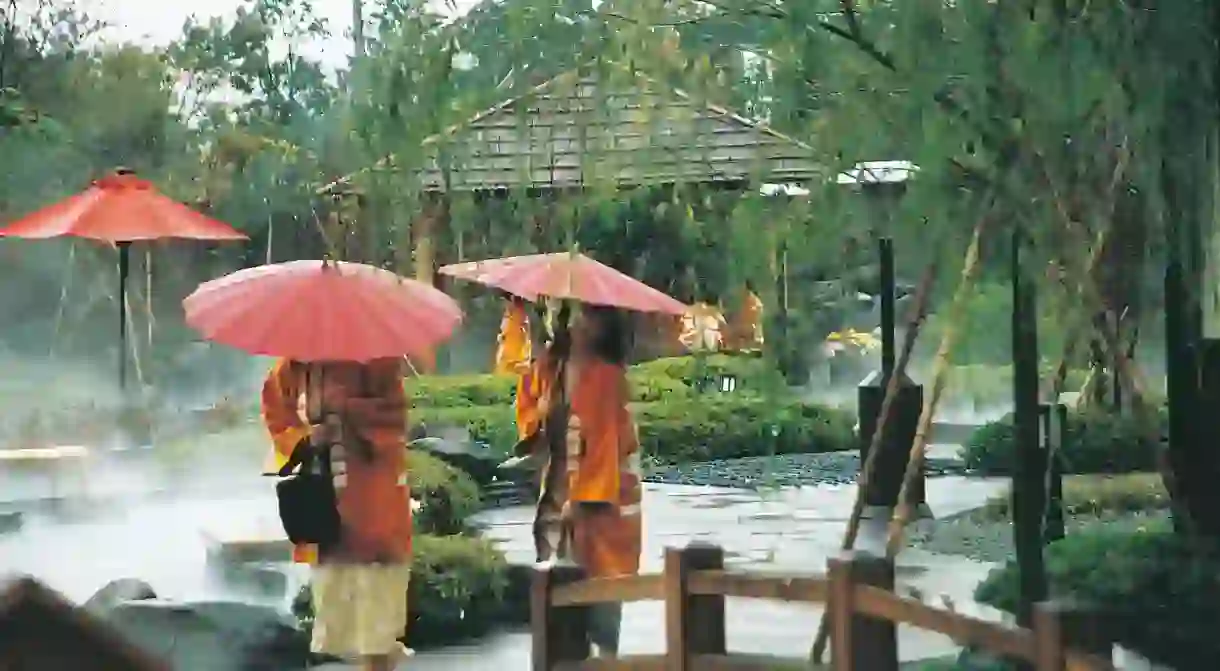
[322, 311]
[567, 276]
[120, 208]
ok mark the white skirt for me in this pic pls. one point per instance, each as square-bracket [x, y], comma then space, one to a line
[360, 610]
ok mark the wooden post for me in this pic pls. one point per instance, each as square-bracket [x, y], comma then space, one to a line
[1029, 477]
[1058, 626]
[694, 624]
[859, 642]
[559, 634]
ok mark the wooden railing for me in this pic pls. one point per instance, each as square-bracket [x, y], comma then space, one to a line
[858, 589]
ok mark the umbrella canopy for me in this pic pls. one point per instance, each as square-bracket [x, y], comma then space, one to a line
[322, 311]
[566, 275]
[120, 208]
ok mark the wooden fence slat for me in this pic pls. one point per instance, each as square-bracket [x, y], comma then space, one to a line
[860, 641]
[694, 623]
[622, 589]
[1060, 624]
[859, 593]
[560, 633]
[808, 589]
[963, 629]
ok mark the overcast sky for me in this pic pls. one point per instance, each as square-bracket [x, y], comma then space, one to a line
[160, 21]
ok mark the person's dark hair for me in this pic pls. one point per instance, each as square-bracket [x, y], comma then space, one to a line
[611, 338]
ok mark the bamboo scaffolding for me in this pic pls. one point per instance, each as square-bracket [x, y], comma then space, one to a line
[940, 370]
[919, 313]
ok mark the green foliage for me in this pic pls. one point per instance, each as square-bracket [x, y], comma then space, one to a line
[448, 496]
[1159, 591]
[660, 379]
[456, 591]
[677, 420]
[729, 426]
[1095, 442]
[714, 426]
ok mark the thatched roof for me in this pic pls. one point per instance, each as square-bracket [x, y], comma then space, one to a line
[588, 127]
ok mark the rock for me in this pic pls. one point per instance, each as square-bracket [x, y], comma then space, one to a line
[213, 636]
[11, 522]
[119, 591]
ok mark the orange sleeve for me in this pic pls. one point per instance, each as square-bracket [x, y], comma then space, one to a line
[279, 406]
[600, 411]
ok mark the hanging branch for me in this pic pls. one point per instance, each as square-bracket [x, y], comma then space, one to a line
[919, 313]
[940, 376]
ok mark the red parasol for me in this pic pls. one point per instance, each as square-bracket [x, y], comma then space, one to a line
[567, 276]
[322, 311]
[120, 208]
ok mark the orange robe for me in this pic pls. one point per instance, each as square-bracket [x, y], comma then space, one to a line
[513, 347]
[531, 390]
[747, 329]
[703, 328]
[374, 502]
[604, 484]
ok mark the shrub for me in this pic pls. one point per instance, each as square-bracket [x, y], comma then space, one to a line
[657, 380]
[753, 373]
[1159, 590]
[495, 425]
[1096, 495]
[460, 391]
[456, 591]
[729, 426]
[712, 426]
[447, 495]
[1095, 442]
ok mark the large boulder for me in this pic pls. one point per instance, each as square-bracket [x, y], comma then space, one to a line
[213, 636]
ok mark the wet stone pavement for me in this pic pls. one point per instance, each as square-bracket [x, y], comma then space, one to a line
[787, 531]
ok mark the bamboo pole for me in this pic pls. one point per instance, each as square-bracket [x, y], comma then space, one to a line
[919, 313]
[939, 379]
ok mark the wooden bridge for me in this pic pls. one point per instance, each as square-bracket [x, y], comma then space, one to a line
[858, 589]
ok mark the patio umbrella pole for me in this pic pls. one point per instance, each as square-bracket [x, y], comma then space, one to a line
[124, 266]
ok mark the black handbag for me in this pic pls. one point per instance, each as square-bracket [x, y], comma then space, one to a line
[308, 505]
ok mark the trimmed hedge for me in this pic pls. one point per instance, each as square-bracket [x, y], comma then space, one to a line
[447, 495]
[714, 426]
[1160, 591]
[658, 380]
[726, 426]
[456, 592]
[1095, 442]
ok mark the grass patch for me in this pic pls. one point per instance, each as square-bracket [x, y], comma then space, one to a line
[1094, 495]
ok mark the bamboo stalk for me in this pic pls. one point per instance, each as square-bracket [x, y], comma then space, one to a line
[919, 313]
[940, 376]
[63, 298]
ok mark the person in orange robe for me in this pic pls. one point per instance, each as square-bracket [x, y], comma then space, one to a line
[604, 483]
[513, 346]
[747, 327]
[359, 586]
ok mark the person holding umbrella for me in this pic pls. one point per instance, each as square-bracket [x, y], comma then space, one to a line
[589, 508]
[604, 486]
[360, 581]
[336, 410]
